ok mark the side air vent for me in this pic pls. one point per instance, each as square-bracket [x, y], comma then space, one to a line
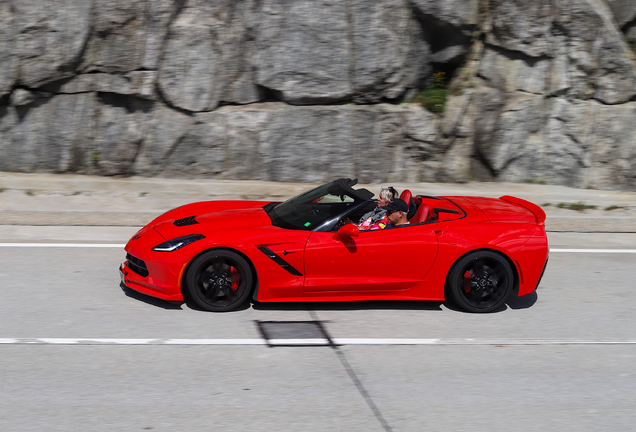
[186, 221]
[137, 265]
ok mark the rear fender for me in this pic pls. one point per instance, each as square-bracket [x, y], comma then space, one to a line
[537, 211]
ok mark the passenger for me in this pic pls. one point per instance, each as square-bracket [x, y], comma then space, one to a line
[397, 212]
[377, 218]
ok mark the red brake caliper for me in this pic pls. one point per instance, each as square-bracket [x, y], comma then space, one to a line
[235, 278]
[467, 278]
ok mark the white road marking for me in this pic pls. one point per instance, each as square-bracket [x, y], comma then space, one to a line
[108, 341]
[117, 245]
[64, 245]
[615, 251]
[590, 217]
[307, 342]
[160, 211]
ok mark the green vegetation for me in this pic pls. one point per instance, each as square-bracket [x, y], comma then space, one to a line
[2, 189]
[578, 206]
[29, 192]
[434, 98]
[533, 181]
[96, 156]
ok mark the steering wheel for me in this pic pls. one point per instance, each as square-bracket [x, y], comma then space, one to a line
[342, 222]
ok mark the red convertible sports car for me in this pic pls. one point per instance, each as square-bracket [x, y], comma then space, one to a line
[475, 251]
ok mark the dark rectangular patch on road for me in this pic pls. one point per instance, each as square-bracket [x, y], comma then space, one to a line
[294, 333]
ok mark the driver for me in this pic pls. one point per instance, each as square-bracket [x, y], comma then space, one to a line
[377, 218]
[397, 212]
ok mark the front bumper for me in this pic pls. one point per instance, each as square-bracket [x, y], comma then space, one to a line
[148, 285]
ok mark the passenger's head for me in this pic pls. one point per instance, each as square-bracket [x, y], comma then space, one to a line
[386, 196]
[397, 211]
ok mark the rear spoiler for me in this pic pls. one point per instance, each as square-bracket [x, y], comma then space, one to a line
[537, 211]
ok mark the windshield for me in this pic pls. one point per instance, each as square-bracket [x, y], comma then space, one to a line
[316, 207]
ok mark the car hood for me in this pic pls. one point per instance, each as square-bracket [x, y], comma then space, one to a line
[209, 216]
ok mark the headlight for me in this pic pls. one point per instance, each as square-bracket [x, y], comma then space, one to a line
[177, 243]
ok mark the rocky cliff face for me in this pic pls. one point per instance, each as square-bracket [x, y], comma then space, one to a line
[308, 90]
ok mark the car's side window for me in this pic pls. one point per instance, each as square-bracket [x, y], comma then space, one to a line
[354, 216]
[331, 199]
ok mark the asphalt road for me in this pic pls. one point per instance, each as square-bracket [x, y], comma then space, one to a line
[79, 353]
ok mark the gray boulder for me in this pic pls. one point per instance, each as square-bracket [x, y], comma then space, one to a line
[237, 51]
[50, 40]
[304, 50]
[448, 26]
[277, 142]
[163, 132]
[624, 11]
[390, 54]
[601, 65]
[365, 50]
[188, 72]
[202, 60]
[8, 55]
[547, 47]
[201, 151]
[127, 34]
[51, 134]
[297, 139]
[159, 15]
[247, 150]
[608, 137]
[116, 42]
[524, 25]
[120, 129]
[523, 137]
[512, 71]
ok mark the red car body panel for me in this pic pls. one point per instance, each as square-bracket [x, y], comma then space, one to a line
[405, 263]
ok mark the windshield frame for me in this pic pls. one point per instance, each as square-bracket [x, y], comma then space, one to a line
[342, 186]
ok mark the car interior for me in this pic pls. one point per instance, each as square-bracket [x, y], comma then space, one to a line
[422, 209]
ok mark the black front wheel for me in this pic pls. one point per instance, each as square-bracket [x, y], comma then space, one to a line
[481, 281]
[219, 281]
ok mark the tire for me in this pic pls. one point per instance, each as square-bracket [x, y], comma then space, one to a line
[481, 281]
[219, 280]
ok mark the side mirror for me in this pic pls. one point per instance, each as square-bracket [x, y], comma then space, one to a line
[347, 231]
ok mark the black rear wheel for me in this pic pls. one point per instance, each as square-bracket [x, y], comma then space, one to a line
[219, 280]
[481, 281]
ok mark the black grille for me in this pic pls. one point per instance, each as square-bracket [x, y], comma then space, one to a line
[137, 265]
[190, 220]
